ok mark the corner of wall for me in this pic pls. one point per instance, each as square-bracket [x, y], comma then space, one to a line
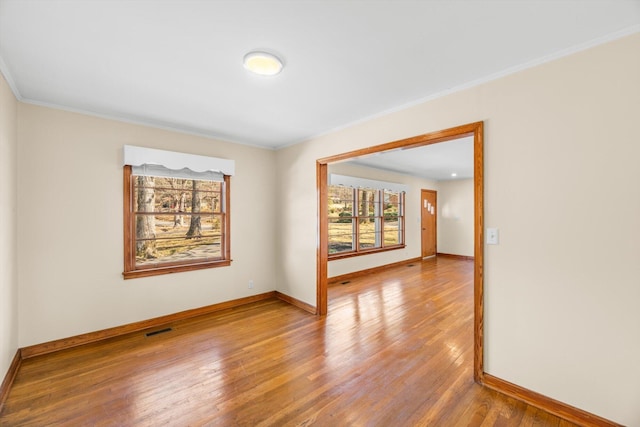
[8, 227]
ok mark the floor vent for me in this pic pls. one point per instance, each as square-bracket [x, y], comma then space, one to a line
[161, 331]
[345, 282]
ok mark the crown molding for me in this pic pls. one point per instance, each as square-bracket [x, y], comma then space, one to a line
[4, 70]
[473, 83]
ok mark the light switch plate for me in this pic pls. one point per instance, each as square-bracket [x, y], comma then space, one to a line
[492, 236]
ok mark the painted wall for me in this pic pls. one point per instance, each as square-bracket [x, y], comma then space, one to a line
[561, 183]
[412, 220]
[70, 244]
[455, 217]
[8, 225]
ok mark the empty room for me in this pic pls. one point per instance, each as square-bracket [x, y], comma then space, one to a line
[376, 213]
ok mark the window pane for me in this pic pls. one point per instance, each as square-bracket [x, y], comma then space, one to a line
[340, 193]
[367, 202]
[173, 226]
[208, 186]
[212, 225]
[214, 203]
[391, 203]
[159, 194]
[340, 201]
[162, 238]
[144, 194]
[392, 211]
[368, 236]
[392, 231]
[340, 235]
[181, 250]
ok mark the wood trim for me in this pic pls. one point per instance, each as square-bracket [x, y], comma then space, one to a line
[64, 343]
[548, 404]
[452, 256]
[477, 130]
[323, 239]
[146, 272]
[369, 271]
[404, 218]
[416, 141]
[126, 217]
[478, 281]
[364, 252]
[296, 302]
[9, 377]
[227, 219]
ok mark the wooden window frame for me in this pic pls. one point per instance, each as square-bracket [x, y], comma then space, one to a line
[130, 269]
[356, 230]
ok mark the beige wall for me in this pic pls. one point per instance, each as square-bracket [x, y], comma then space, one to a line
[70, 226]
[8, 222]
[455, 217]
[412, 219]
[561, 183]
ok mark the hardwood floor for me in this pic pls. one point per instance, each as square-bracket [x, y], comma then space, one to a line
[394, 350]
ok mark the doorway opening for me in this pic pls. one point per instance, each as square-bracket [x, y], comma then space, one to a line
[473, 129]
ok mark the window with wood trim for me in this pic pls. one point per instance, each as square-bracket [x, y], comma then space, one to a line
[364, 220]
[174, 224]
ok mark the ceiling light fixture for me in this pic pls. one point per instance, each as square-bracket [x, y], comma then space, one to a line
[262, 63]
[454, 174]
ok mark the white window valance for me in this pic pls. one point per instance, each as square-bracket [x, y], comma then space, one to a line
[352, 181]
[152, 162]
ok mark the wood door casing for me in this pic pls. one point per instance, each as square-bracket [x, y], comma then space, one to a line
[476, 130]
[428, 222]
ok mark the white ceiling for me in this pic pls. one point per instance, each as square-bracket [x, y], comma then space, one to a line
[434, 161]
[178, 64]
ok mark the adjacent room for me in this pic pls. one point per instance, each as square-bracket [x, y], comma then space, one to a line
[319, 213]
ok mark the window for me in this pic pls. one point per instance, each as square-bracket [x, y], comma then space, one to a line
[364, 220]
[174, 220]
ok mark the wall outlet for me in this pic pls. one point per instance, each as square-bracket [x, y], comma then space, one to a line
[492, 236]
[250, 284]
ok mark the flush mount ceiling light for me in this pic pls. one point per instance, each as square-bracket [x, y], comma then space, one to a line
[262, 63]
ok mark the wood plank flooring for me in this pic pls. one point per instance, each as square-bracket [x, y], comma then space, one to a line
[396, 349]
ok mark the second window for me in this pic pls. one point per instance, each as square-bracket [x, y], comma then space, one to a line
[364, 220]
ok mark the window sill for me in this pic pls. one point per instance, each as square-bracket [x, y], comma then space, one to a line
[342, 255]
[156, 271]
